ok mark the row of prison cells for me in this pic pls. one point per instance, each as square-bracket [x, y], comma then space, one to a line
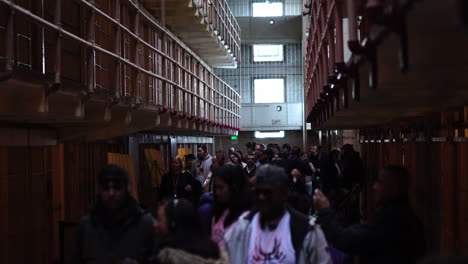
[339, 92]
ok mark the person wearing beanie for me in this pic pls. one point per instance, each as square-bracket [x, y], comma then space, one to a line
[117, 229]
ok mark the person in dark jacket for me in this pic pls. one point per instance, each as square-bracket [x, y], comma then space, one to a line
[392, 235]
[295, 161]
[117, 229]
[314, 157]
[298, 197]
[205, 211]
[178, 183]
[189, 160]
[331, 172]
[353, 169]
[251, 167]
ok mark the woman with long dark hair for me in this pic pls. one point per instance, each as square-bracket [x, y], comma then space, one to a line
[183, 241]
[178, 183]
[242, 157]
[231, 199]
[298, 197]
[236, 159]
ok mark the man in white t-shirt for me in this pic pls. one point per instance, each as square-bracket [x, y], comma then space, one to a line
[275, 233]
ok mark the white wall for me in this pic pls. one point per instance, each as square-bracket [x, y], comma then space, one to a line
[265, 116]
[244, 7]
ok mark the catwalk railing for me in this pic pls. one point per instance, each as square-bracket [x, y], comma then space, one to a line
[115, 49]
[223, 23]
[326, 71]
[208, 27]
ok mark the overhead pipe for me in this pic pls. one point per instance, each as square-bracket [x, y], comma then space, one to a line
[404, 53]
[332, 55]
[136, 29]
[118, 51]
[9, 46]
[353, 42]
[58, 46]
[339, 59]
[91, 53]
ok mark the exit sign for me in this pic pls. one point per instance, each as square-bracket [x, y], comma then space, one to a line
[233, 137]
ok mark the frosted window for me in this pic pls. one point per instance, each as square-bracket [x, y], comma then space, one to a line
[269, 134]
[267, 9]
[269, 90]
[268, 53]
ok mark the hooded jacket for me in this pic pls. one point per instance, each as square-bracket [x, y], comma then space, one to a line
[307, 238]
[392, 235]
[205, 211]
[113, 236]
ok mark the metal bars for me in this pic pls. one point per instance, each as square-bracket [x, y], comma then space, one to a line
[222, 22]
[147, 61]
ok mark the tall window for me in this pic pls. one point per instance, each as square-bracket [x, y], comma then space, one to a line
[269, 90]
[268, 53]
[267, 8]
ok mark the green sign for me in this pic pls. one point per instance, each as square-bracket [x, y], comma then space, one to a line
[233, 137]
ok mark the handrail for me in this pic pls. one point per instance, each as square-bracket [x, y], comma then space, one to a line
[224, 14]
[218, 103]
[152, 20]
[149, 19]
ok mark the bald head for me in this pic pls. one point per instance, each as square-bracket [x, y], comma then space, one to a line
[272, 174]
[271, 191]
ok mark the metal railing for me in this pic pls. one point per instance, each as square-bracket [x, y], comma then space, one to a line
[326, 71]
[117, 49]
[222, 22]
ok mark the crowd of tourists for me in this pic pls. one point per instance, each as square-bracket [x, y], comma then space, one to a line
[272, 204]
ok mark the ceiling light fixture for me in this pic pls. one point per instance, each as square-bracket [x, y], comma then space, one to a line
[271, 21]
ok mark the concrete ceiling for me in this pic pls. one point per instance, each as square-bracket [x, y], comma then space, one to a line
[286, 29]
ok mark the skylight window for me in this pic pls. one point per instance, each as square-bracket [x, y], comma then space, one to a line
[268, 53]
[267, 9]
[269, 90]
